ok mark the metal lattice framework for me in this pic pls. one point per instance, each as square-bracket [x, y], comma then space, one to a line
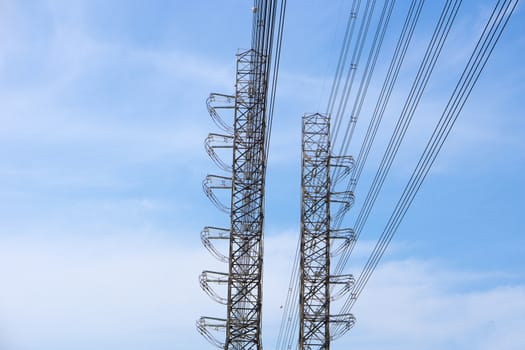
[245, 270]
[246, 182]
[246, 139]
[315, 231]
[318, 286]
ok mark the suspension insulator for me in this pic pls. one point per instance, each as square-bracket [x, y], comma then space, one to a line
[343, 201]
[219, 278]
[341, 167]
[341, 324]
[216, 142]
[207, 324]
[220, 102]
[341, 240]
[340, 285]
[210, 233]
[217, 182]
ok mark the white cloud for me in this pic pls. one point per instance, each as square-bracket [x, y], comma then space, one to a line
[421, 305]
[412, 304]
[60, 292]
[43, 109]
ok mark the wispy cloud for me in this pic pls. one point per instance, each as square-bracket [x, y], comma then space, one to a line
[61, 292]
[419, 305]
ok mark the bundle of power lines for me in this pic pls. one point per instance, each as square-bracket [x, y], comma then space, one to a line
[362, 45]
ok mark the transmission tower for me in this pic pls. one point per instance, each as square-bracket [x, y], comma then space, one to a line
[319, 242]
[246, 138]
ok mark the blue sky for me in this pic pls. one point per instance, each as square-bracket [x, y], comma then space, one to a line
[101, 146]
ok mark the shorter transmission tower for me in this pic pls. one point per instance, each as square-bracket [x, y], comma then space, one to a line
[318, 287]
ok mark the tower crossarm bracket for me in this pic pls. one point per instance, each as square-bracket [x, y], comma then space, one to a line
[210, 233]
[217, 182]
[218, 278]
[341, 323]
[341, 239]
[341, 202]
[205, 326]
[216, 142]
[341, 167]
[221, 102]
[340, 285]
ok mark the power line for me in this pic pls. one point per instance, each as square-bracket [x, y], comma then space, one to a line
[476, 63]
[375, 49]
[423, 75]
[350, 76]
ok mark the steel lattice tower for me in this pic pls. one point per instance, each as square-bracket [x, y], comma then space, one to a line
[246, 182]
[244, 285]
[246, 138]
[318, 287]
[315, 230]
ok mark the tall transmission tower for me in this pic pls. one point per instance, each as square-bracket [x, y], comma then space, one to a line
[247, 139]
[319, 242]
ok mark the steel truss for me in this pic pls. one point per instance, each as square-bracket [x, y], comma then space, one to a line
[246, 182]
[318, 286]
[246, 140]
[246, 249]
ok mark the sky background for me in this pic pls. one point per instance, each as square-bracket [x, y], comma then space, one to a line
[103, 117]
